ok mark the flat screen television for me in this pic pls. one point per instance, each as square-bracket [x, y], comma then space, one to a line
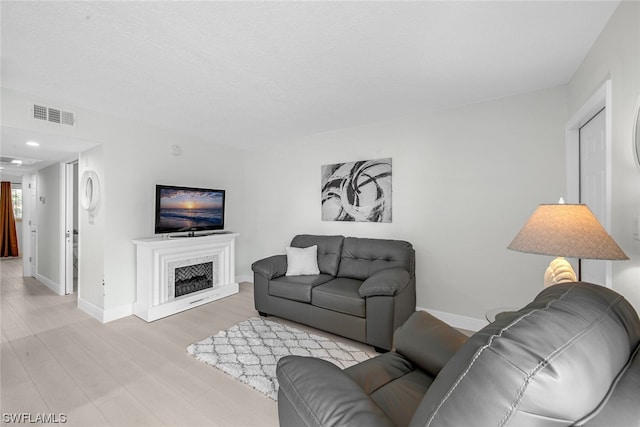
[188, 209]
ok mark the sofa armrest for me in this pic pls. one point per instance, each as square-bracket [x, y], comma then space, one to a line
[271, 267]
[320, 394]
[427, 341]
[389, 281]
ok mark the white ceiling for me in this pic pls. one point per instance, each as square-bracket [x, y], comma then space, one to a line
[52, 149]
[251, 73]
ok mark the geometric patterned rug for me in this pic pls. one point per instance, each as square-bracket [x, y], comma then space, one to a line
[250, 350]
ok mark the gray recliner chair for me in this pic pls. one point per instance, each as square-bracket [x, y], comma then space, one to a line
[569, 358]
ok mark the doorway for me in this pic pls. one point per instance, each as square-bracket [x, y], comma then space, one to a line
[71, 227]
[50, 226]
[588, 144]
[29, 229]
[48, 159]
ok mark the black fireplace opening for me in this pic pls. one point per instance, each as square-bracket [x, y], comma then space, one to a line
[193, 278]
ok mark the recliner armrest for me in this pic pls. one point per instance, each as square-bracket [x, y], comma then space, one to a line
[271, 267]
[322, 395]
[428, 341]
[389, 281]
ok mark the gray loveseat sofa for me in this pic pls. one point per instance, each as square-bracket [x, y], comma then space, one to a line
[569, 358]
[365, 289]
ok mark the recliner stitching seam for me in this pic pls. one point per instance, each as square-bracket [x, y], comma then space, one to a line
[611, 390]
[550, 357]
[300, 399]
[482, 349]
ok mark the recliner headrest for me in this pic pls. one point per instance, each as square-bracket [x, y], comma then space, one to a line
[551, 363]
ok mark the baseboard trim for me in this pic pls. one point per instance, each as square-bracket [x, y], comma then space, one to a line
[102, 315]
[117, 313]
[457, 320]
[91, 309]
[244, 278]
[48, 283]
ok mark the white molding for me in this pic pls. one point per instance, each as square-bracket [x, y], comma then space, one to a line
[62, 268]
[105, 316]
[457, 320]
[27, 216]
[601, 98]
[55, 287]
[117, 313]
[91, 309]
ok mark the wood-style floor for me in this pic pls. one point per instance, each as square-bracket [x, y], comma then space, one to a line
[58, 360]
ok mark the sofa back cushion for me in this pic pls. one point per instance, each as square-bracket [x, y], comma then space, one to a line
[329, 250]
[361, 257]
[551, 363]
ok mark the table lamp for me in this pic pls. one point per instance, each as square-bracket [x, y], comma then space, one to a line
[565, 230]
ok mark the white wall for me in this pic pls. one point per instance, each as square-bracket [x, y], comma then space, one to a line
[616, 56]
[133, 166]
[464, 181]
[48, 210]
[91, 239]
[136, 157]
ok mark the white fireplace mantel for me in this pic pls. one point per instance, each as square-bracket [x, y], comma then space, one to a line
[158, 257]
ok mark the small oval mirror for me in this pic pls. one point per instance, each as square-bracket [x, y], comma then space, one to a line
[90, 195]
[636, 131]
[89, 190]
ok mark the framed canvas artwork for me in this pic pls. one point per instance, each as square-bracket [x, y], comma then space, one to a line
[357, 191]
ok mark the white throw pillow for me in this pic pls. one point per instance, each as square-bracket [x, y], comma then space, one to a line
[302, 261]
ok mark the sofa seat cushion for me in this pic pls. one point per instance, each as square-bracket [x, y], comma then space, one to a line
[296, 288]
[394, 383]
[340, 295]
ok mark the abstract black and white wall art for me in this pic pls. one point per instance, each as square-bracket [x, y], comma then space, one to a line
[357, 191]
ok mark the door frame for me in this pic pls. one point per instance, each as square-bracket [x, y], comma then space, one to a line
[601, 99]
[69, 215]
[66, 214]
[29, 217]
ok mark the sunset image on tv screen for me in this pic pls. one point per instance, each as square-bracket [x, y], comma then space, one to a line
[186, 209]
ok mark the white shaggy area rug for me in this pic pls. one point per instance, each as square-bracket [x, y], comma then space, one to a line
[250, 350]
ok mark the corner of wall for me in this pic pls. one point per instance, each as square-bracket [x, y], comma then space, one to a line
[105, 316]
[456, 320]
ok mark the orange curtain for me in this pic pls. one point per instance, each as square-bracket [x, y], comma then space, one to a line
[8, 235]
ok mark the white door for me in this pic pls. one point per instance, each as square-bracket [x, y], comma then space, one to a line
[33, 226]
[70, 240]
[593, 186]
[29, 235]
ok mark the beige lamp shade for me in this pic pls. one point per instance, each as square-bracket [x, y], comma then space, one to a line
[566, 230]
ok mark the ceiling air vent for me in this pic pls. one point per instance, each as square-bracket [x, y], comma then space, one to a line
[54, 115]
[67, 118]
[39, 112]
